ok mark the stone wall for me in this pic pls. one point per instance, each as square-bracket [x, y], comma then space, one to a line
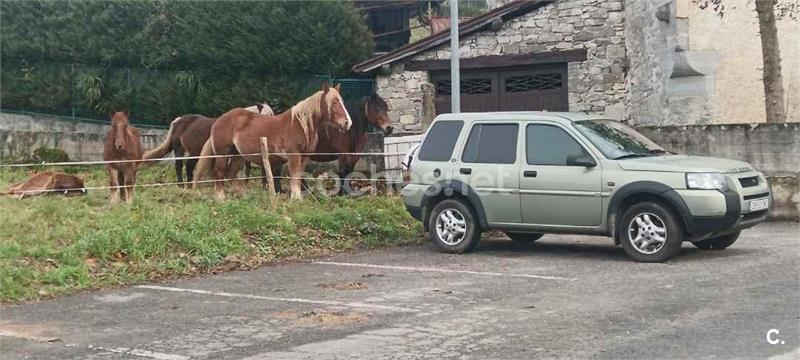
[597, 84]
[771, 148]
[20, 135]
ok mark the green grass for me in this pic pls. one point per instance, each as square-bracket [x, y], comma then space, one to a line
[51, 245]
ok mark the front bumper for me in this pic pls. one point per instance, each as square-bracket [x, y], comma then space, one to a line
[703, 221]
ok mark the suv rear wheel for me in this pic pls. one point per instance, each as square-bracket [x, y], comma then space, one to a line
[523, 237]
[717, 243]
[453, 227]
[650, 232]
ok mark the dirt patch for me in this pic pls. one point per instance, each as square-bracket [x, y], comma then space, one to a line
[322, 318]
[350, 285]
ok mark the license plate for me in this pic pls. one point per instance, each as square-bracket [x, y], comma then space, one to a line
[759, 204]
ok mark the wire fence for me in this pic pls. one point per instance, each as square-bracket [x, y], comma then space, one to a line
[354, 176]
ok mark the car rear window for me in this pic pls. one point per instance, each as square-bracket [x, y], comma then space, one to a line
[491, 143]
[440, 140]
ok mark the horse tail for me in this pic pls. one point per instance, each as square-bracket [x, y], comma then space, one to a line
[164, 148]
[205, 163]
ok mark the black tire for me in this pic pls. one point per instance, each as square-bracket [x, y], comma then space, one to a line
[523, 237]
[660, 218]
[717, 243]
[458, 245]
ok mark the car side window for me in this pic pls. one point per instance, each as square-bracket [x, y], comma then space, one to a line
[440, 140]
[491, 143]
[550, 145]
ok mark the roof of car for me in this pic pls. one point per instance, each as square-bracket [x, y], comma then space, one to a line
[522, 115]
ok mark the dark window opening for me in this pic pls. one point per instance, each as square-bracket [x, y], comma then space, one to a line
[524, 83]
[468, 86]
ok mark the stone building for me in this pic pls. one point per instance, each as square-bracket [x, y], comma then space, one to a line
[650, 62]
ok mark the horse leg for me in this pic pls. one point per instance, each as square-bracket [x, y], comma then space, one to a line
[123, 191]
[219, 170]
[114, 184]
[248, 169]
[234, 166]
[345, 169]
[179, 167]
[295, 172]
[130, 181]
[276, 177]
[190, 164]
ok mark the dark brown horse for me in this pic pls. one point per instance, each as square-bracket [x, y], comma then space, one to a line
[122, 143]
[294, 132]
[369, 111]
[187, 134]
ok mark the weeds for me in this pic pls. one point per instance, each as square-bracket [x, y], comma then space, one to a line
[50, 245]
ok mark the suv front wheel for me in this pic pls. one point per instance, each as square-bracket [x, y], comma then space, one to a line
[650, 232]
[453, 227]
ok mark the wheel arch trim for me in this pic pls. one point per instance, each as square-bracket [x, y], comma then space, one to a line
[450, 188]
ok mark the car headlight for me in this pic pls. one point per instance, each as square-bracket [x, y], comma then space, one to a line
[705, 181]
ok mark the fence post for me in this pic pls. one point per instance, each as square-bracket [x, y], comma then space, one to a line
[268, 172]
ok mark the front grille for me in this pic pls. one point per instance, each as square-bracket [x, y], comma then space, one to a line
[749, 181]
[754, 215]
[756, 196]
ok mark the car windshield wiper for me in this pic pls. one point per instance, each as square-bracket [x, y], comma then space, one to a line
[631, 155]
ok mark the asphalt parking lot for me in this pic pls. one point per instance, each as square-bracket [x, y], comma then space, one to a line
[562, 297]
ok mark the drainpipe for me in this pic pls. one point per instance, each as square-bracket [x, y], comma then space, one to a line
[455, 78]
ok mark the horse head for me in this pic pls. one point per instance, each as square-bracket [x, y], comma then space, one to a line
[333, 106]
[377, 112]
[119, 127]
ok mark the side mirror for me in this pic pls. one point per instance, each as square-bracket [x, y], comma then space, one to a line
[581, 160]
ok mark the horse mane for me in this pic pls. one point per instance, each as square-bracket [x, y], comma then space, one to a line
[306, 111]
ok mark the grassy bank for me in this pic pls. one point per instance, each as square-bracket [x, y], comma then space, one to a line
[50, 245]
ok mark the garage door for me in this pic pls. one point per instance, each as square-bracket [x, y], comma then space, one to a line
[521, 89]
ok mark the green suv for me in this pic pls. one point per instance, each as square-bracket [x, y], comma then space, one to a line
[531, 173]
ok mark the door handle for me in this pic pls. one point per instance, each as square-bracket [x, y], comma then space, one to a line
[465, 171]
[529, 173]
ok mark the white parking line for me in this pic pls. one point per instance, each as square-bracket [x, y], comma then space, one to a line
[430, 269]
[117, 350]
[297, 300]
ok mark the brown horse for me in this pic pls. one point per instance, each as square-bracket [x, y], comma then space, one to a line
[294, 131]
[122, 143]
[369, 111]
[49, 182]
[187, 134]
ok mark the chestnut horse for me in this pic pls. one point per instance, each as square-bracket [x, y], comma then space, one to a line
[186, 135]
[122, 143]
[294, 131]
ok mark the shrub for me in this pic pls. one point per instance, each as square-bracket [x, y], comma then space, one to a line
[50, 155]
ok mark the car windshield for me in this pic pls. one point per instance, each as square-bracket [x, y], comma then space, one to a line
[617, 140]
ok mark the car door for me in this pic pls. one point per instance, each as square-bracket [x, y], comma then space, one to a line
[490, 165]
[553, 192]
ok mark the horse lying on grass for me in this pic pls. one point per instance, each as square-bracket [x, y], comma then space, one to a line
[294, 131]
[48, 182]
